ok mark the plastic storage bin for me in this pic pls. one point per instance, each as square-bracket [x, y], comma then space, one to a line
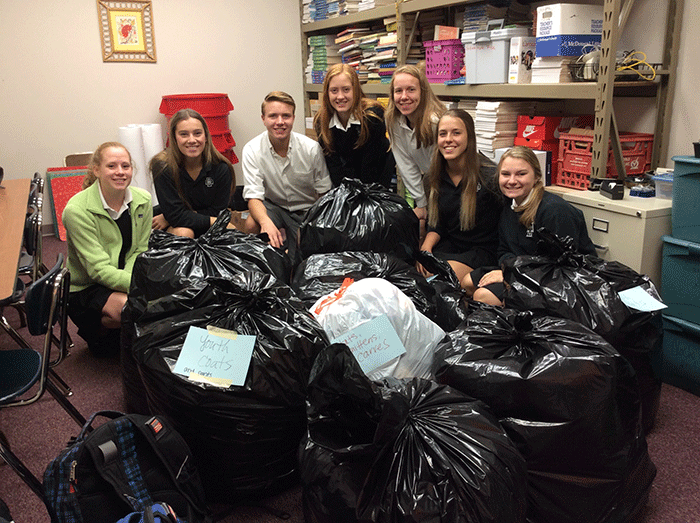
[680, 356]
[487, 53]
[576, 156]
[204, 103]
[443, 60]
[664, 185]
[686, 195]
[680, 278]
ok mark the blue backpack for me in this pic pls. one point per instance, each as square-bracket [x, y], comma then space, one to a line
[125, 465]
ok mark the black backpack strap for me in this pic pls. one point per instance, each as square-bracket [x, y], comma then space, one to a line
[112, 447]
[172, 450]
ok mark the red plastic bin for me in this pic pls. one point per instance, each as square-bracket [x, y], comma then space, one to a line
[230, 155]
[203, 103]
[443, 60]
[222, 141]
[216, 123]
[576, 157]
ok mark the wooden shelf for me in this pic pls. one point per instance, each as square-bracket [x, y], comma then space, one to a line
[571, 91]
[378, 13]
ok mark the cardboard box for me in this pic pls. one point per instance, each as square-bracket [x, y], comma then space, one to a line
[549, 127]
[522, 54]
[565, 29]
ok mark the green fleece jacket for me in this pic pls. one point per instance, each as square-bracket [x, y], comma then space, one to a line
[94, 240]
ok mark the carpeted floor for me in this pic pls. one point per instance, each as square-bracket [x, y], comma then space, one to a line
[38, 433]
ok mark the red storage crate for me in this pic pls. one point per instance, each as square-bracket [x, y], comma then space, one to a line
[203, 103]
[443, 60]
[222, 141]
[217, 123]
[230, 155]
[576, 155]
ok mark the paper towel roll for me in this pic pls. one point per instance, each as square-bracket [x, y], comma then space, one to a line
[143, 142]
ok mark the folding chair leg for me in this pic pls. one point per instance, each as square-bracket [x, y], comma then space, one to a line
[67, 405]
[13, 333]
[21, 470]
[62, 385]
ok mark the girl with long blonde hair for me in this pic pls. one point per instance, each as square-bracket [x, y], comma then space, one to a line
[411, 116]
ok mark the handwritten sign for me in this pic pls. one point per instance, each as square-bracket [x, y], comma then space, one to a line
[637, 298]
[213, 357]
[373, 343]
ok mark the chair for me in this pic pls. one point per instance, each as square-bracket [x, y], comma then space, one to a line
[24, 369]
[77, 159]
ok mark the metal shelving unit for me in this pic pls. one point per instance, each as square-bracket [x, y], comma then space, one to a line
[601, 91]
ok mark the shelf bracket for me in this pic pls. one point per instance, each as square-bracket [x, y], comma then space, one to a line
[604, 122]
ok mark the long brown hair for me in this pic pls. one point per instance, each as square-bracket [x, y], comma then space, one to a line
[360, 104]
[96, 160]
[171, 158]
[529, 210]
[470, 179]
[428, 107]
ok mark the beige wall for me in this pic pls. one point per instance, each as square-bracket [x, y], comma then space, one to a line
[57, 96]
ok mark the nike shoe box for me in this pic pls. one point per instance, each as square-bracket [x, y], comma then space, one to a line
[548, 128]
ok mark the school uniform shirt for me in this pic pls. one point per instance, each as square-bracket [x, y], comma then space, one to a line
[411, 161]
[372, 162]
[293, 182]
[484, 234]
[207, 196]
[94, 240]
[554, 214]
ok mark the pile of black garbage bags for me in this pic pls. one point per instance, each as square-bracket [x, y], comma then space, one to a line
[535, 412]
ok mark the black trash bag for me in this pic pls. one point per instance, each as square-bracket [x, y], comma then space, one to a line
[321, 274]
[568, 400]
[360, 217]
[452, 304]
[586, 289]
[403, 450]
[174, 262]
[244, 439]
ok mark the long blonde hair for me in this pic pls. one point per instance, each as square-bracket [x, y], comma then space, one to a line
[529, 209]
[428, 107]
[360, 104]
[96, 160]
[470, 180]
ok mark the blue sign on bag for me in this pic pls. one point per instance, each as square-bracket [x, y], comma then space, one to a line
[207, 355]
[373, 343]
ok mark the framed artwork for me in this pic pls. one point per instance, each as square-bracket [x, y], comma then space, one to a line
[127, 31]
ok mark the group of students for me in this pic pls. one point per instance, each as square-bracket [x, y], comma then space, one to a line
[473, 213]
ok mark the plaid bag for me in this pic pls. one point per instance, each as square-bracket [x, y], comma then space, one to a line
[126, 464]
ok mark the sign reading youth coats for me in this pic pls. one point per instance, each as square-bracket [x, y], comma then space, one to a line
[215, 356]
[373, 343]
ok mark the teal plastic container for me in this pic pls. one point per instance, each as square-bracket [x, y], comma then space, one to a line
[680, 278]
[685, 218]
[680, 358]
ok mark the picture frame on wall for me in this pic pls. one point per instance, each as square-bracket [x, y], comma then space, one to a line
[127, 31]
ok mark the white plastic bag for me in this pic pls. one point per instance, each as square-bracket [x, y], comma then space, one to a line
[369, 298]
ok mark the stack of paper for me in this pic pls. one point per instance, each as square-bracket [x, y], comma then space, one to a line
[306, 12]
[371, 4]
[468, 105]
[496, 124]
[476, 17]
[552, 69]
